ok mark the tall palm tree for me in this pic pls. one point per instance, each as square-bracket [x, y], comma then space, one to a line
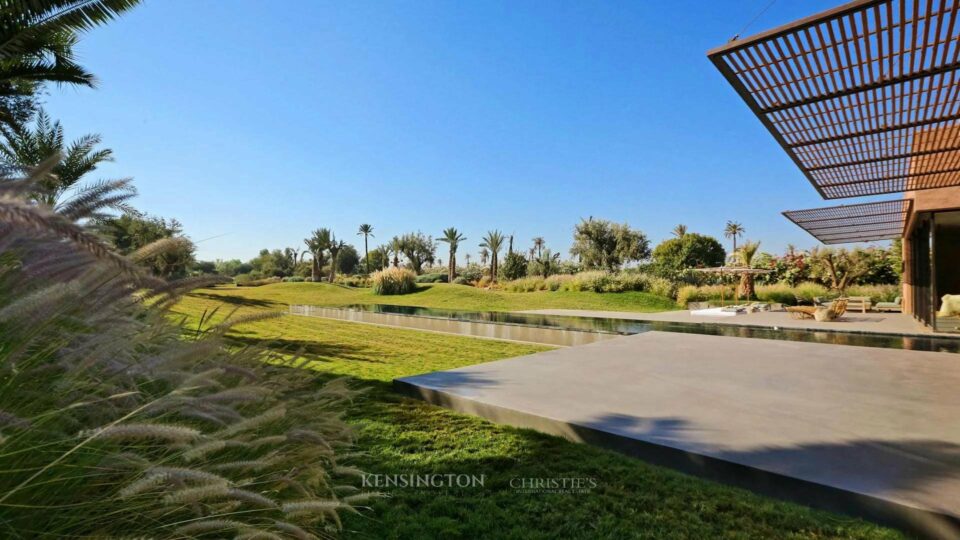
[745, 258]
[680, 231]
[484, 256]
[467, 257]
[25, 149]
[396, 246]
[538, 243]
[733, 230]
[452, 237]
[36, 44]
[334, 249]
[318, 243]
[367, 231]
[494, 242]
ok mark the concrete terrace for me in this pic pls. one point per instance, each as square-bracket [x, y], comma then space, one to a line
[881, 323]
[868, 431]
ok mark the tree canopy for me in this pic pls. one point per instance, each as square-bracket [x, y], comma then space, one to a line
[691, 250]
[601, 244]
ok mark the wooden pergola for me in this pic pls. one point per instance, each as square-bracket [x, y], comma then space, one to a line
[863, 97]
[855, 222]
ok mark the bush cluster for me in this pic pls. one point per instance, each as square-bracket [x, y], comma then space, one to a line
[435, 277]
[394, 281]
[244, 280]
[354, 281]
[593, 281]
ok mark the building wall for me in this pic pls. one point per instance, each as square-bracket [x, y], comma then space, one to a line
[926, 200]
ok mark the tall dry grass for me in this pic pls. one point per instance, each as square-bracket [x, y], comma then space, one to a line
[115, 422]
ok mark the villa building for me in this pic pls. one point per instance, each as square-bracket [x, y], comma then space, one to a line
[865, 98]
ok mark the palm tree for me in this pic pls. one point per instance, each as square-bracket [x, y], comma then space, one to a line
[484, 256]
[548, 262]
[318, 243]
[538, 243]
[36, 45]
[334, 248]
[733, 230]
[745, 259]
[494, 242]
[396, 246]
[367, 231]
[453, 237]
[680, 231]
[467, 257]
[25, 149]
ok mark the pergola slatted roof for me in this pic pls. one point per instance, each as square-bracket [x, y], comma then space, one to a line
[865, 222]
[865, 98]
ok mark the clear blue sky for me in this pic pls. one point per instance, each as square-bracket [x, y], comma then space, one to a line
[255, 125]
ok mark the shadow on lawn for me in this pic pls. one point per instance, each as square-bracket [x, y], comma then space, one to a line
[311, 351]
[238, 300]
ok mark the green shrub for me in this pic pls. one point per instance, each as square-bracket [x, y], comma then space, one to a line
[527, 284]
[436, 277]
[606, 282]
[662, 287]
[460, 280]
[877, 293]
[353, 281]
[805, 292]
[246, 282]
[557, 282]
[293, 279]
[779, 293]
[472, 273]
[689, 293]
[394, 281]
[514, 266]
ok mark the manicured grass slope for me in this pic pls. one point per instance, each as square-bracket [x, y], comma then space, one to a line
[404, 436]
[443, 295]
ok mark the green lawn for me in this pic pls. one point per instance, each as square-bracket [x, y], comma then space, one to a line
[405, 436]
[442, 295]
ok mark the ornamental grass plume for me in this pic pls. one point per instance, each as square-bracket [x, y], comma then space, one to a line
[116, 422]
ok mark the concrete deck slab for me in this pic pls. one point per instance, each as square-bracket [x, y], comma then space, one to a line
[869, 431]
[882, 323]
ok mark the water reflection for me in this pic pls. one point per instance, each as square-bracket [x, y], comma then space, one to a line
[631, 326]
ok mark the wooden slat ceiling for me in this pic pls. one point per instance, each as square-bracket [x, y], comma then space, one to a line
[864, 97]
[854, 223]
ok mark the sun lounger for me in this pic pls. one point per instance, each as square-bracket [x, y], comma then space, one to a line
[891, 307]
[859, 303]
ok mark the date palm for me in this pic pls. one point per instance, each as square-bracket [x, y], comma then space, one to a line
[484, 256]
[494, 242]
[452, 237]
[36, 45]
[396, 246]
[680, 231]
[745, 258]
[318, 243]
[367, 231]
[334, 248]
[538, 243]
[25, 149]
[733, 230]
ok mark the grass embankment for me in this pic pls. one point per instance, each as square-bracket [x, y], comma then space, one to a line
[405, 436]
[442, 295]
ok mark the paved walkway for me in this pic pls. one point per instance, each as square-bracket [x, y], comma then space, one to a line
[875, 432]
[885, 323]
